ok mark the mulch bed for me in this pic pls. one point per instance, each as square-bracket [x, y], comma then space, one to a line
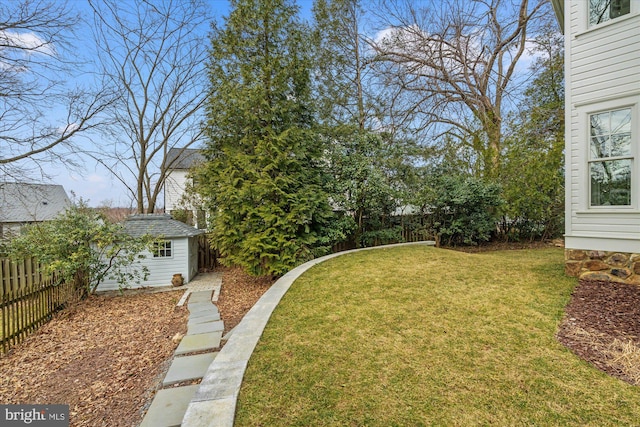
[602, 326]
[106, 356]
[239, 293]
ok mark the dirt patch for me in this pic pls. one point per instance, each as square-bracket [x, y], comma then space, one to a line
[602, 326]
[239, 293]
[104, 357]
[506, 246]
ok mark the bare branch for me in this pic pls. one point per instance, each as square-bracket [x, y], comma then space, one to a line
[456, 64]
[154, 54]
[41, 115]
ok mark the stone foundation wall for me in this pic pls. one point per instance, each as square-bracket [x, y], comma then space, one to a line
[601, 265]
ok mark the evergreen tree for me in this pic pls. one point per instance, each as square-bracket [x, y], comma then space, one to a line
[366, 163]
[264, 176]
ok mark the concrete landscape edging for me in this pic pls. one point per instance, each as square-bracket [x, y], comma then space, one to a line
[214, 403]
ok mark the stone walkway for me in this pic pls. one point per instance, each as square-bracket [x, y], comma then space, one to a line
[213, 401]
[203, 282]
[195, 353]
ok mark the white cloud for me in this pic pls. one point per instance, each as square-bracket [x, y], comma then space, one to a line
[408, 37]
[419, 52]
[96, 179]
[68, 128]
[19, 47]
[28, 42]
[385, 35]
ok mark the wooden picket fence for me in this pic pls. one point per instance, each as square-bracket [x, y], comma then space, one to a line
[28, 297]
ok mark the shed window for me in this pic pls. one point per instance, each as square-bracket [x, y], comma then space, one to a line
[610, 159]
[604, 10]
[162, 249]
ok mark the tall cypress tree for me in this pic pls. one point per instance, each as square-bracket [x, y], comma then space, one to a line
[263, 177]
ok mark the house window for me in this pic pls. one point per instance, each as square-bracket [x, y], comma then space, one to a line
[604, 10]
[610, 159]
[162, 249]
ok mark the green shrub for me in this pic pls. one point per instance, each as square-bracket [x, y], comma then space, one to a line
[461, 210]
[81, 246]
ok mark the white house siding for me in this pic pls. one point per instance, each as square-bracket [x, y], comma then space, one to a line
[161, 270]
[174, 189]
[602, 71]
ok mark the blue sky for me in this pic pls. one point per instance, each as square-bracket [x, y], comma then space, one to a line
[93, 183]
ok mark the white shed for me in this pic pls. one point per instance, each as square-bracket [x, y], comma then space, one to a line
[175, 253]
[602, 79]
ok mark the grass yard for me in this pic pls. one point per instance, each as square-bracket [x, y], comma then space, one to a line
[417, 335]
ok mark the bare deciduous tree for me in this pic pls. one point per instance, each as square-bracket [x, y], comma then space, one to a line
[453, 65]
[154, 54]
[341, 63]
[41, 114]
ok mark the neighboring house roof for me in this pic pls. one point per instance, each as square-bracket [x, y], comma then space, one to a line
[158, 225]
[183, 158]
[22, 202]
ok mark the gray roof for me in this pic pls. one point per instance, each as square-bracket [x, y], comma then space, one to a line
[158, 225]
[23, 202]
[183, 158]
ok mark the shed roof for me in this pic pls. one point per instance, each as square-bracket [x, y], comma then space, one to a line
[158, 225]
[183, 158]
[24, 202]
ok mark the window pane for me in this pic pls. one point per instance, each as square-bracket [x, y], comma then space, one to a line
[621, 145]
[611, 183]
[598, 11]
[621, 121]
[599, 124]
[604, 10]
[162, 249]
[619, 8]
[599, 147]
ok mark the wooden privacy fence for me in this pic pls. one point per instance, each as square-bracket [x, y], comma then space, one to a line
[405, 235]
[28, 297]
[207, 255]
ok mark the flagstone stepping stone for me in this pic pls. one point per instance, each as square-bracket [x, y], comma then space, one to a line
[202, 328]
[203, 319]
[168, 407]
[199, 342]
[198, 307]
[203, 311]
[201, 296]
[187, 368]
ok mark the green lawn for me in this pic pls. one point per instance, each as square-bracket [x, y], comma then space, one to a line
[416, 335]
